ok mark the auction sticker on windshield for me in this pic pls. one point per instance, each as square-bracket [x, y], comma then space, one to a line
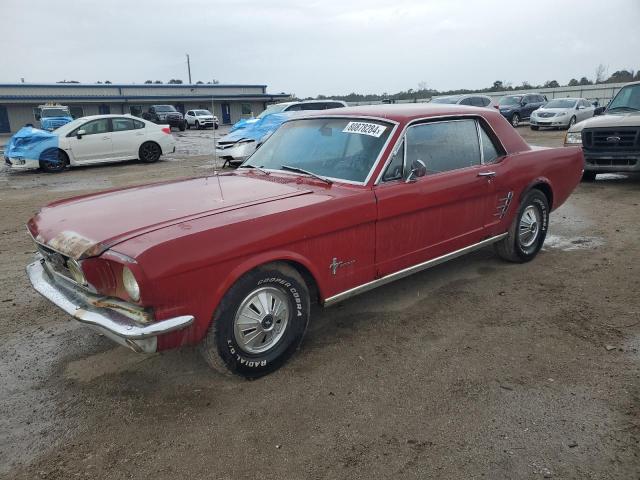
[364, 128]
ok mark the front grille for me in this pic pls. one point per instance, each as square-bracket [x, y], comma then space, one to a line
[55, 261]
[546, 114]
[611, 139]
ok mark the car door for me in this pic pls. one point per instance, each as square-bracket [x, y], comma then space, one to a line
[94, 144]
[445, 210]
[528, 106]
[585, 110]
[126, 138]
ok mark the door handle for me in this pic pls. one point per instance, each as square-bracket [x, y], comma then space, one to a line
[105, 138]
[487, 174]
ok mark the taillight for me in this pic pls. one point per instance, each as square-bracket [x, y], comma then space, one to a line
[166, 130]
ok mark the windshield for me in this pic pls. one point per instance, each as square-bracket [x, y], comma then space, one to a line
[628, 98]
[561, 103]
[277, 108]
[510, 100]
[165, 108]
[338, 148]
[202, 112]
[53, 112]
[445, 100]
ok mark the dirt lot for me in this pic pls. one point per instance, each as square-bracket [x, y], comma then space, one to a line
[475, 369]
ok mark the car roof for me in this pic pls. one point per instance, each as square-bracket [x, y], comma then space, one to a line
[405, 112]
[109, 115]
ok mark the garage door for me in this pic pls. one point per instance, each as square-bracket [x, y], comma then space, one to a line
[4, 121]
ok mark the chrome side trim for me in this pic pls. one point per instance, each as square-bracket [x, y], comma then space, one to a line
[82, 306]
[409, 271]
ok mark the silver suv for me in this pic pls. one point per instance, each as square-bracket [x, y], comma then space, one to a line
[611, 140]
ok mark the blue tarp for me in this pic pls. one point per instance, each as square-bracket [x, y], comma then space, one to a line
[259, 129]
[242, 123]
[30, 143]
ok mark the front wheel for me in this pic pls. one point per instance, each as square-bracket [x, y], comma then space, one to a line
[53, 160]
[589, 176]
[259, 323]
[572, 122]
[149, 152]
[515, 120]
[197, 125]
[528, 229]
[182, 127]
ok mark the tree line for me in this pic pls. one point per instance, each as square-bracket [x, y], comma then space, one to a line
[423, 91]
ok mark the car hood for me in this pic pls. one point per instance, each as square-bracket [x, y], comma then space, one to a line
[86, 226]
[611, 120]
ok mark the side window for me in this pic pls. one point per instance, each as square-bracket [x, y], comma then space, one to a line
[477, 102]
[489, 151]
[485, 101]
[190, 113]
[466, 101]
[333, 105]
[36, 113]
[526, 99]
[76, 111]
[137, 124]
[294, 108]
[313, 106]
[122, 124]
[395, 169]
[95, 127]
[444, 146]
[246, 109]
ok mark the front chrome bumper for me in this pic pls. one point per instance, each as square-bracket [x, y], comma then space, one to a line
[82, 306]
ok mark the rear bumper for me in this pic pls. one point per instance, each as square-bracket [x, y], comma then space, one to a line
[81, 306]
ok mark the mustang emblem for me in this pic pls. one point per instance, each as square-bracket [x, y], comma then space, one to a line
[613, 139]
[336, 264]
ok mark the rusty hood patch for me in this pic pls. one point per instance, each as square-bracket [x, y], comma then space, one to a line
[86, 226]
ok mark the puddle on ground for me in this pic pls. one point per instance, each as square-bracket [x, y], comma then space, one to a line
[115, 360]
[567, 244]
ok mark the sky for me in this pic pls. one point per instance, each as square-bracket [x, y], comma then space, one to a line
[318, 47]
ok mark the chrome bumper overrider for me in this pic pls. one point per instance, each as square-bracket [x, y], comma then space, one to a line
[82, 306]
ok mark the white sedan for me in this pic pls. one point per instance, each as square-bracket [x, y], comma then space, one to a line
[88, 141]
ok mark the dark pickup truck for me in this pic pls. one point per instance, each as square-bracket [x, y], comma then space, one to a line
[611, 139]
[165, 115]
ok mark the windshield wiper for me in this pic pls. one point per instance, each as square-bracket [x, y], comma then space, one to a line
[626, 108]
[246, 165]
[306, 172]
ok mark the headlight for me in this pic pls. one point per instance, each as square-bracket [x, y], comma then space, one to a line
[573, 138]
[76, 272]
[130, 284]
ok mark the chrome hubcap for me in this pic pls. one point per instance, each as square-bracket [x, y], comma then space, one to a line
[515, 120]
[529, 226]
[261, 320]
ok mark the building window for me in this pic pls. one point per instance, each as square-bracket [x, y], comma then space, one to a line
[76, 111]
[36, 113]
[246, 109]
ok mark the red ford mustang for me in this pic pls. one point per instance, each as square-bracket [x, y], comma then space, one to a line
[331, 205]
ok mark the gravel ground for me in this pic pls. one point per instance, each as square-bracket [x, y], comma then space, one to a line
[474, 369]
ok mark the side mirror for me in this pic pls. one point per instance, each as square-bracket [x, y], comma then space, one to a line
[418, 169]
[599, 111]
[580, 107]
[80, 133]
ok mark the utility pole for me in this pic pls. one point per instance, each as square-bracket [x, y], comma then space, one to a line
[189, 68]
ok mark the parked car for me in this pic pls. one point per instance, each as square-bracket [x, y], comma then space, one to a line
[467, 99]
[53, 115]
[561, 113]
[201, 119]
[517, 108]
[165, 115]
[332, 205]
[302, 105]
[610, 140]
[88, 141]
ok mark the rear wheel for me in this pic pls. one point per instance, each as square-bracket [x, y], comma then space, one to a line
[53, 160]
[588, 176]
[149, 152]
[515, 120]
[259, 323]
[528, 229]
